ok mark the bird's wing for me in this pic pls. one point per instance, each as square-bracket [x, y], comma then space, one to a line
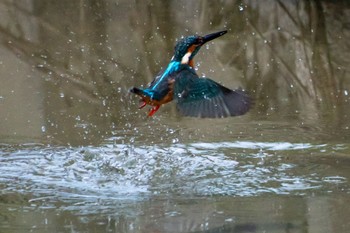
[203, 97]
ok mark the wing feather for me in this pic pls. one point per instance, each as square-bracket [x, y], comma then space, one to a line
[203, 97]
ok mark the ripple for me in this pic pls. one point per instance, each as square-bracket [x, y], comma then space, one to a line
[274, 146]
[130, 172]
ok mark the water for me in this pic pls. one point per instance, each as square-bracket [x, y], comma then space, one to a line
[76, 154]
[227, 186]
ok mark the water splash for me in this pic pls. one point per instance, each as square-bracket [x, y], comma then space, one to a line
[130, 172]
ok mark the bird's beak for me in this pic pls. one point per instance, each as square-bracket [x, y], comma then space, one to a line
[212, 36]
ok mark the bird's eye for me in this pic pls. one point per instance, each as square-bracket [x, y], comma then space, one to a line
[199, 40]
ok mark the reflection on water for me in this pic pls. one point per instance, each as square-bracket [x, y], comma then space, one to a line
[76, 155]
[69, 68]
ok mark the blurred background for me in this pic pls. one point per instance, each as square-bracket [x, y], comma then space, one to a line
[77, 155]
[66, 66]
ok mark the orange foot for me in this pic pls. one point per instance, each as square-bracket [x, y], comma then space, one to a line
[153, 110]
[142, 104]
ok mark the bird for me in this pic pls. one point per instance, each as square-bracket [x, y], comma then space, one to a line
[194, 96]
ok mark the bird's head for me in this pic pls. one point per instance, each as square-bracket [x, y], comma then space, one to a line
[187, 48]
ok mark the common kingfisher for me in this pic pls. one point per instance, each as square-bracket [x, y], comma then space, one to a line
[194, 96]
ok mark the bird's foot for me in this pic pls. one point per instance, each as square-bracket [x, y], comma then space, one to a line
[142, 104]
[153, 110]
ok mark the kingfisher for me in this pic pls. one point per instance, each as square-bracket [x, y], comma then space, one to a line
[194, 96]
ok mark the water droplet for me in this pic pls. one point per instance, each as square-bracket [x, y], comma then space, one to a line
[43, 129]
[241, 8]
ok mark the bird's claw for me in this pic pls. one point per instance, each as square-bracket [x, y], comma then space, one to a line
[153, 110]
[142, 104]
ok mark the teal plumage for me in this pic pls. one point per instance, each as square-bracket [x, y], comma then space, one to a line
[194, 96]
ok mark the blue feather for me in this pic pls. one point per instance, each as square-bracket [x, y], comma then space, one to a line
[172, 67]
[159, 87]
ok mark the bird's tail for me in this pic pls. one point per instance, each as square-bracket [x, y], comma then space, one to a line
[143, 93]
[137, 91]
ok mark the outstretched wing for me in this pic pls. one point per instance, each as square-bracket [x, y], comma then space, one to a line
[203, 97]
